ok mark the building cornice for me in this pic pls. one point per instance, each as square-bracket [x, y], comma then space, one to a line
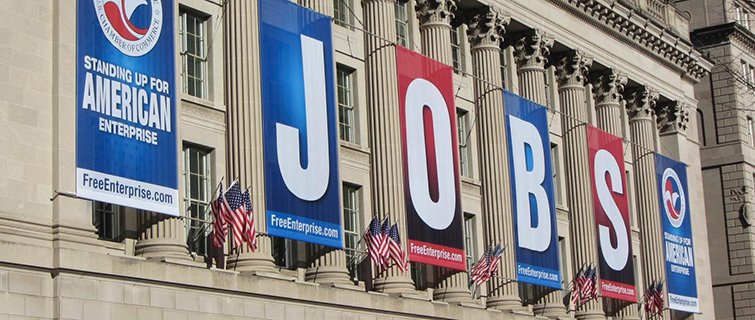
[723, 33]
[640, 30]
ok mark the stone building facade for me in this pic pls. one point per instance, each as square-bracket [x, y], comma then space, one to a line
[627, 67]
[723, 33]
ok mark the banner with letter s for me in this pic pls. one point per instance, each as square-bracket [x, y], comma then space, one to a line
[535, 234]
[126, 142]
[432, 186]
[610, 198]
[299, 124]
[677, 234]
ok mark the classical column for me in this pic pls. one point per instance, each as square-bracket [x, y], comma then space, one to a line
[642, 127]
[244, 123]
[384, 129]
[322, 6]
[572, 70]
[607, 90]
[531, 52]
[485, 32]
[161, 237]
[325, 265]
[435, 29]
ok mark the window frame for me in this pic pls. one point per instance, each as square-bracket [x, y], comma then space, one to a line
[99, 211]
[352, 206]
[342, 13]
[458, 58]
[403, 37]
[463, 131]
[198, 222]
[349, 107]
[199, 58]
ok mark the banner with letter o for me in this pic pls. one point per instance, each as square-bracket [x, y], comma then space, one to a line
[432, 186]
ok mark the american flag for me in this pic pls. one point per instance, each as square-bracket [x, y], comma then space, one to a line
[383, 249]
[576, 286]
[480, 272]
[653, 299]
[373, 238]
[495, 259]
[589, 288]
[396, 252]
[220, 223]
[237, 213]
[250, 234]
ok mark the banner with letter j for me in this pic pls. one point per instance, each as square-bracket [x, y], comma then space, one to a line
[432, 186]
[677, 234]
[299, 124]
[535, 234]
[126, 143]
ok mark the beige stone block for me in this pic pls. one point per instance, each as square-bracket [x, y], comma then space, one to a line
[254, 309]
[149, 314]
[332, 315]
[71, 308]
[21, 318]
[314, 314]
[294, 312]
[95, 310]
[24, 283]
[187, 301]
[3, 280]
[275, 311]
[122, 312]
[110, 292]
[200, 316]
[211, 304]
[137, 295]
[162, 298]
[41, 307]
[12, 303]
[233, 306]
[174, 315]
[84, 288]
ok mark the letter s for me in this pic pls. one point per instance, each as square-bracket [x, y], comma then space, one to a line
[616, 257]
[530, 182]
[311, 183]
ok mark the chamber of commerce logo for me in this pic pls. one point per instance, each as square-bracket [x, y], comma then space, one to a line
[132, 26]
[674, 199]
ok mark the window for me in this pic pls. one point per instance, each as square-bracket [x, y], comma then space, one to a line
[193, 54]
[564, 252]
[636, 276]
[503, 69]
[462, 121]
[197, 198]
[342, 13]
[469, 240]
[750, 131]
[746, 20]
[745, 71]
[738, 13]
[402, 24]
[700, 128]
[346, 118]
[457, 54]
[351, 224]
[751, 74]
[548, 92]
[106, 218]
[556, 173]
[630, 191]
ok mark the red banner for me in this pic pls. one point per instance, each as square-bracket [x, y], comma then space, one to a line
[610, 198]
[432, 186]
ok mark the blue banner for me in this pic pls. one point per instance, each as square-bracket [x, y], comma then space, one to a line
[677, 234]
[299, 124]
[535, 235]
[126, 143]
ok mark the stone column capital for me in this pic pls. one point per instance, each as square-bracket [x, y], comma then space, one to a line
[487, 27]
[572, 68]
[641, 103]
[435, 11]
[531, 49]
[672, 116]
[608, 86]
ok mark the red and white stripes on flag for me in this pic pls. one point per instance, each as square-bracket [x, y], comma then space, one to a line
[220, 215]
[487, 266]
[237, 211]
[653, 299]
[373, 238]
[384, 245]
[250, 234]
[394, 247]
[584, 286]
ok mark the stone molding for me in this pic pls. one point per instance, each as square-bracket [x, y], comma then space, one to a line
[435, 11]
[642, 31]
[572, 68]
[486, 27]
[531, 49]
[608, 86]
